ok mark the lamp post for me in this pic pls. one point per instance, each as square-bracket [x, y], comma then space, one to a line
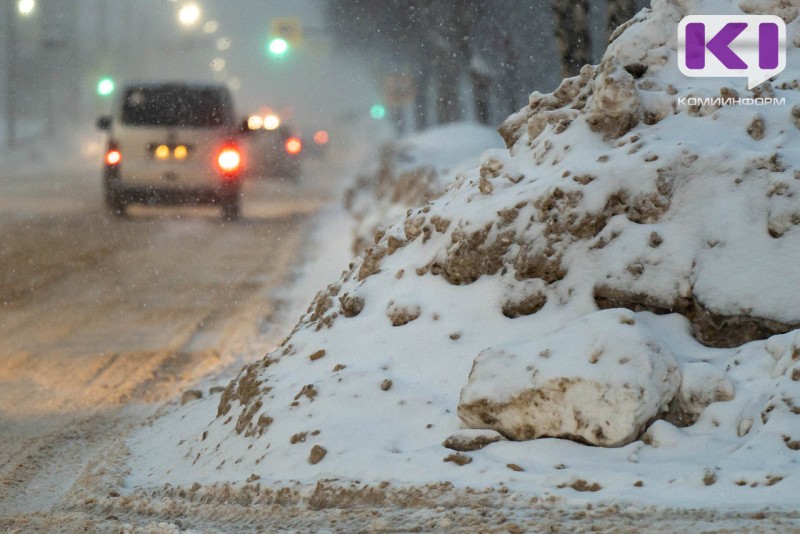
[189, 14]
[11, 69]
[26, 7]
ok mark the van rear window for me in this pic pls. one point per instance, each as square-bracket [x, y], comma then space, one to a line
[176, 106]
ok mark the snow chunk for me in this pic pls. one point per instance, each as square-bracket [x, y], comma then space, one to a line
[613, 108]
[599, 379]
[702, 385]
[472, 439]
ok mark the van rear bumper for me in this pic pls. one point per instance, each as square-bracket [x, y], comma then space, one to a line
[174, 195]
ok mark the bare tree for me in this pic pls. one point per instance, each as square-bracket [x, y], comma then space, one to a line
[481, 79]
[572, 35]
[446, 45]
[617, 12]
[512, 89]
[448, 104]
[445, 31]
[477, 52]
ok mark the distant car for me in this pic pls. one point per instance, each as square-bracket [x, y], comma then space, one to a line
[273, 153]
[173, 143]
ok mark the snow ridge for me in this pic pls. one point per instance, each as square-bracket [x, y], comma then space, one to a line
[639, 253]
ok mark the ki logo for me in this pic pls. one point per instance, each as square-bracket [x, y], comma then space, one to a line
[717, 46]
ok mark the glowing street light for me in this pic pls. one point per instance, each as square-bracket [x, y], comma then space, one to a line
[218, 64]
[211, 26]
[26, 7]
[189, 14]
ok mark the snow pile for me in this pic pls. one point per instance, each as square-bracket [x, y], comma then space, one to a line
[412, 171]
[626, 255]
[80, 152]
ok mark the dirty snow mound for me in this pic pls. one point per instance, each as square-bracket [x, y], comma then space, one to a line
[613, 195]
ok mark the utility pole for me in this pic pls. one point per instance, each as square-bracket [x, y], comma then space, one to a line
[102, 28]
[11, 71]
[59, 49]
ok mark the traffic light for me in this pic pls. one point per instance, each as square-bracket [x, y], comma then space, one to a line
[377, 111]
[105, 86]
[278, 46]
[286, 34]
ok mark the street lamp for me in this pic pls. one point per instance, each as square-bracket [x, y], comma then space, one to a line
[26, 7]
[189, 14]
[218, 64]
[211, 26]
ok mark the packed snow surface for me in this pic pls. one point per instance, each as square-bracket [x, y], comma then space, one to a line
[644, 251]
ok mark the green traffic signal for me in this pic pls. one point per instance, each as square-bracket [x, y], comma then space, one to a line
[278, 46]
[377, 111]
[105, 86]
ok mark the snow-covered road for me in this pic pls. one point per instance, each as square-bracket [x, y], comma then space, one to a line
[103, 320]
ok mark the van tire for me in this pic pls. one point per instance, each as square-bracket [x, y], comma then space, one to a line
[114, 204]
[230, 209]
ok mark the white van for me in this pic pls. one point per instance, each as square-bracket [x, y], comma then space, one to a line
[173, 143]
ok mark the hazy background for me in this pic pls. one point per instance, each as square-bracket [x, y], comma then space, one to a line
[63, 47]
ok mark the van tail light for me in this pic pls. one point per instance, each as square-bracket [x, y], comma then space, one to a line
[229, 161]
[321, 137]
[293, 145]
[113, 157]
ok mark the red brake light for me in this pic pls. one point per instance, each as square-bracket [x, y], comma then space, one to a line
[321, 137]
[229, 160]
[113, 157]
[293, 145]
